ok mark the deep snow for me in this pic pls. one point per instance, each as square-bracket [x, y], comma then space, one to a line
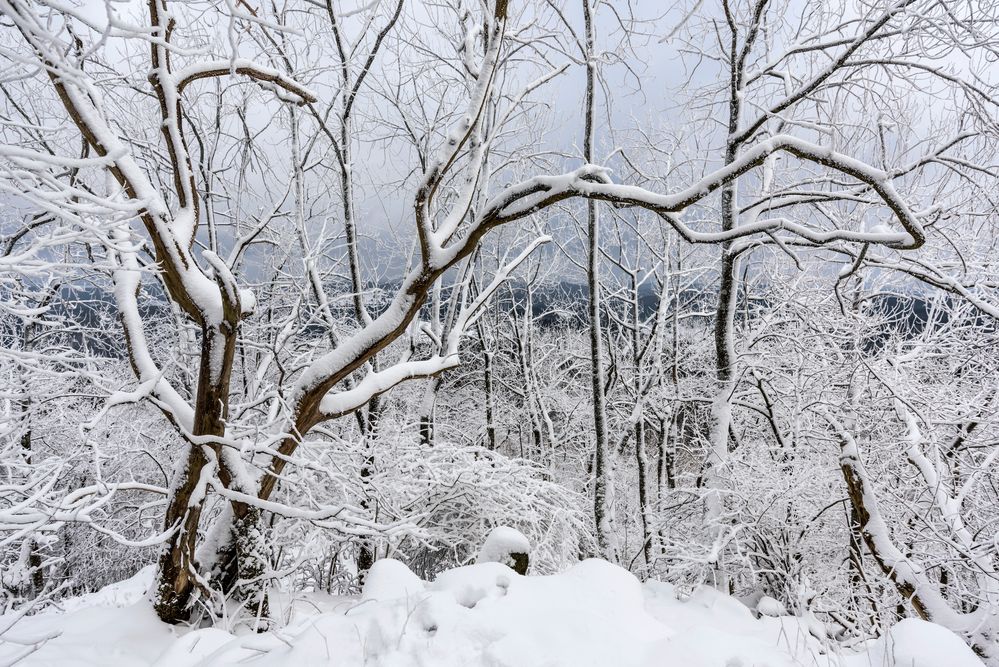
[484, 615]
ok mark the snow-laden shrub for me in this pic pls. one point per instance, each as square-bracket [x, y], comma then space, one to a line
[440, 503]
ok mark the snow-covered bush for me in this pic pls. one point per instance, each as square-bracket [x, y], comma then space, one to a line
[440, 503]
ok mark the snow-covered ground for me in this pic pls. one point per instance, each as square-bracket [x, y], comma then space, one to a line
[484, 615]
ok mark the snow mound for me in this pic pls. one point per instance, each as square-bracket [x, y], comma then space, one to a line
[916, 643]
[389, 579]
[485, 615]
[114, 626]
[767, 606]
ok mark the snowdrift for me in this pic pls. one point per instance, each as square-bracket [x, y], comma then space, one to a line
[484, 615]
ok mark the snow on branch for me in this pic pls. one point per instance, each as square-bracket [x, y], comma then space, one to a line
[375, 383]
[593, 182]
[243, 67]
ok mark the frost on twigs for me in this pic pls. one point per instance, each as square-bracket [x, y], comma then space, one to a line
[508, 546]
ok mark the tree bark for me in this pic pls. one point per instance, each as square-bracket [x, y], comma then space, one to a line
[602, 485]
[177, 573]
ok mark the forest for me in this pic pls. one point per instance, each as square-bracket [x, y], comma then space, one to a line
[499, 332]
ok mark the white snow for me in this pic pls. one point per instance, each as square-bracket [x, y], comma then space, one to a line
[484, 615]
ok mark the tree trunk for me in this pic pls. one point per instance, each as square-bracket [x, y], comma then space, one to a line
[366, 553]
[721, 407]
[602, 485]
[641, 460]
[487, 361]
[427, 408]
[34, 558]
[177, 574]
[174, 584]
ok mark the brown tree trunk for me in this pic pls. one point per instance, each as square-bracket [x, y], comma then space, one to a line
[178, 569]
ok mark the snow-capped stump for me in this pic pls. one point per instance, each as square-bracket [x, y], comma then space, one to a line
[508, 546]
